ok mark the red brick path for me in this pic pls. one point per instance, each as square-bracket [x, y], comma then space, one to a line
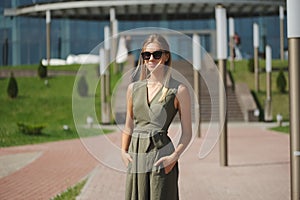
[61, 165]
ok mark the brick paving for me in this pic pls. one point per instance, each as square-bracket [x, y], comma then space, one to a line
[258, 169]
[60, 165]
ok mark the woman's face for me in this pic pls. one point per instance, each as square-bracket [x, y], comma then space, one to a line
[153, 62]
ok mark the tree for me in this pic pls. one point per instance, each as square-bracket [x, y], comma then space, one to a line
[281, 82]
[12, 88]
[42, 70]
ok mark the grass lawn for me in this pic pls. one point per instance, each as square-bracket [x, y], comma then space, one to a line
[38, 104]
[280, 102]
[72, 192]
[283, 129]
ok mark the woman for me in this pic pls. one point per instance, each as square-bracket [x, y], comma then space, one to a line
[152, 103]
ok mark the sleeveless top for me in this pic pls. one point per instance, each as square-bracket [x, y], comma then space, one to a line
[153, 115]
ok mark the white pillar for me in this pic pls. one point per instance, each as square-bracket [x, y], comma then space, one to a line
[281, 19]
[48, 37]
[256, 61]
[268, 102]
[197, 83]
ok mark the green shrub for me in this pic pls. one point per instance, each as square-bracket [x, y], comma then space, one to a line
[12, 88]
[281, 82]
[42, 70]
[30, 129]
[251, 65]
[82, 87]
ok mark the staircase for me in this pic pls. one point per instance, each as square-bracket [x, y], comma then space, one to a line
[234, 112]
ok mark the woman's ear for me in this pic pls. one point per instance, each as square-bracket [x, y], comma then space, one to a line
[167, 57]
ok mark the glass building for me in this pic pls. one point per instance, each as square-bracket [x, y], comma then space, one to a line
[23, 38]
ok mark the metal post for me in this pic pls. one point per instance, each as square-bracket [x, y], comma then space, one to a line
[107, 47]
[231, 42]
[197, 83]
[268, 102]
[256, 61]
[281, 17]
[221, 27]
[114, 31]
[293, 14]
[223, 114]
[104, 73]
[48, 43]
[294, 71]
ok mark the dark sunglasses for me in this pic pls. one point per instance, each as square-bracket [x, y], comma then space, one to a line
[156, 54]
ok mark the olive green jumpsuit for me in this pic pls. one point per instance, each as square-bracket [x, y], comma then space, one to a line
[149, 142]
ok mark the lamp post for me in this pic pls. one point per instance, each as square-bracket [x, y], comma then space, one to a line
[104, 74]
[256, 63]
[48, 30]
[293, 15]
[197, 82]
[231, 42]
[114, 32]
[221, 27]
[268, 102]
[281, 18]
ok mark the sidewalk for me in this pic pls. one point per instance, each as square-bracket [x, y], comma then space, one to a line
[50, 170]
[258, 169]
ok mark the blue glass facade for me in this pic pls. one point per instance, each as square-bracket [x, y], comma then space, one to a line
[23, 39]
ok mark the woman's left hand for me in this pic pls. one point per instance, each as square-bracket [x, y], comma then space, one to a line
[168, 162]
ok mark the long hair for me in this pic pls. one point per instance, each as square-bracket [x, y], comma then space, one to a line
[162, 42]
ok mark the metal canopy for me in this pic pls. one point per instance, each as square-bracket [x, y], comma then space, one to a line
[148, 9]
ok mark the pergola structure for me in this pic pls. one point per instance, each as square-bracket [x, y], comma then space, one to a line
[147, 9]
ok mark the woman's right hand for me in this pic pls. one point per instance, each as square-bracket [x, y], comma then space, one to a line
[126, 158]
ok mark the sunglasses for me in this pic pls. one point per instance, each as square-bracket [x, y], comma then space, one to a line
[156, 54]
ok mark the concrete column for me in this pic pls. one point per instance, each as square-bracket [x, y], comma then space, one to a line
[293, 16]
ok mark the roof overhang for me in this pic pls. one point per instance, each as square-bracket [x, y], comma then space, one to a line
[148, 9]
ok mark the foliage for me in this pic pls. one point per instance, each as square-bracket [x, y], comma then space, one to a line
[283, 129]
[71, 193]
[30, 129]
[42, 70]
[82, 87]
[12, 88]
[251, 65]
[281, 82]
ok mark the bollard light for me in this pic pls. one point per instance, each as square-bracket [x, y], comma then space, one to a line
[268, 59]
[255, 35]
[196, 52]
[221, 32]
[106, 38]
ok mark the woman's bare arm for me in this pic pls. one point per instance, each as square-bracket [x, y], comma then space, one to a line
[126, 134]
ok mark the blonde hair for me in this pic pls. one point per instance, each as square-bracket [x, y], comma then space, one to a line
[162, 42]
